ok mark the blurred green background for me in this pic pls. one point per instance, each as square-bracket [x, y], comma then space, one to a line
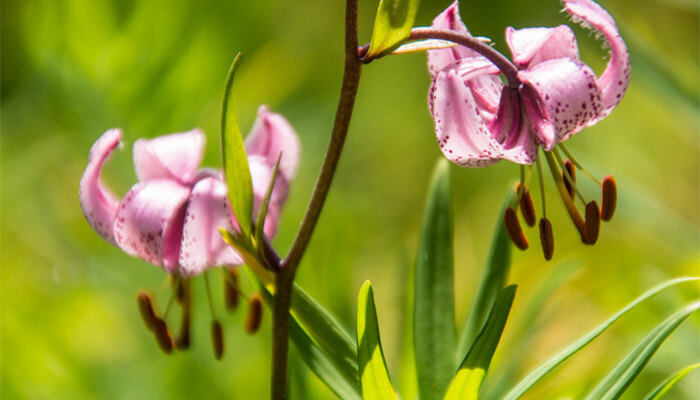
[73, 68]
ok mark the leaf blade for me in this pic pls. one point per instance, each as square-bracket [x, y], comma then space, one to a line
[374, 376]
[433, 314]
[262, 211]
[668, 383]
[235, 160]
[470, 376]
[392, 25]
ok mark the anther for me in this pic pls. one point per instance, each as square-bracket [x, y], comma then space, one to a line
[527, 207]
[145, 304]
[217, 339]
[163, 338]
[546, 238]
[183, 339]
[231, 288]
[592, 222]
[514, 229]
[609, 202]
[177, 288]
[571, 169]
[254, 314]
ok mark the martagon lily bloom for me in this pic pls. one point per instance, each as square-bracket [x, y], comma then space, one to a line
[171, 217]
[479, 120]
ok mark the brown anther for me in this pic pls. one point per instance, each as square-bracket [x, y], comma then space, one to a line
[514, 230]
[254, 315]
[177, 288]
[609, 202]
[546, 238]
[183, 339]
[569, 166]
[163, 338]
[592, 222]
[217, 339]
[231, 288]
[145, 304]
[527, 207]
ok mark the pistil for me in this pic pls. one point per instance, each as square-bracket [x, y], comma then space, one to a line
[566, 199]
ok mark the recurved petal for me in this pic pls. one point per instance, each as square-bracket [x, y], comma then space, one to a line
[530, 46]
[565, 95]
[149, 222]
[512, 132]
[98, 203]
[613, 83]
[176, 156]
[202, 245]
[461, 131]
[440, 58]
[261, 173]
[272, 134]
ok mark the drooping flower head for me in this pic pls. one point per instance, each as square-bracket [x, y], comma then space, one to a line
[171, 216]
[479, 120]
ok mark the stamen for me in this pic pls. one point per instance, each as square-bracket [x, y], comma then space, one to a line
[217, 339]
[514, 230]
[231, 288]
[609, 202]
[573, 160]
[183, 340]
[568, 203]
[592, 222]
[145, 305]
[253, 316]
[163, 338]
[527, 207]
[571, 170]
[176, 284]
[567, 177]
[208, 290]
[546, 238]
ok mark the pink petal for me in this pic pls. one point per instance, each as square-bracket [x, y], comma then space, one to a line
[568, 98]
[149, 222]
[202, 245]
[272, 134]
[613, 83]
[509, 129]
[460, 128]
[176, 156]
[486, 88]
[98, 203]
[261, 173]
[530, 46]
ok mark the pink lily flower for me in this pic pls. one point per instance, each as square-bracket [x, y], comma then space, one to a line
[170, 217]
[479, 120]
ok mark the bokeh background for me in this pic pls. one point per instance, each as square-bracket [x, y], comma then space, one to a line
[73, 68]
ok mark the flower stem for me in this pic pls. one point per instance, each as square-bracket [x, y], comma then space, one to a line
[284, 277]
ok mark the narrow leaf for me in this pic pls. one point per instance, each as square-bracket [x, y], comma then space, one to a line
[235, 161]
[670, 382]
[470, 376]
[492, 282]
[619, 379]
[433, 318]
[374, 375]
[546, 367]
[393, 24]
[262, 211]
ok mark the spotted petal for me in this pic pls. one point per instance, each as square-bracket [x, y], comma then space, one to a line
[613, 83]
[176, 156]
[512, 131]
[202, 245]
[149, 222]
[98, 203]
[461, 131]
[531, 46]
[561, 97]
[272, 134]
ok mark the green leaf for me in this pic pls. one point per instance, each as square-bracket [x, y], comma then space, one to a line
[236, 169]
[433, 318]
[470, 376]
[374, 375]
[619, 379]
[546, 367]
[393, 24]
[262, 211]
[492, 282]
[670, 382]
